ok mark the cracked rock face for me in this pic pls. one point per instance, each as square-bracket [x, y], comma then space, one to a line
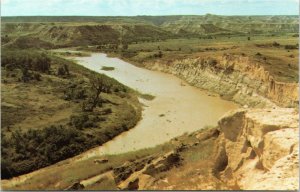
[258, 149]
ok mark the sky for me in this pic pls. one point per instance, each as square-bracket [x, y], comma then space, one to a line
[148, 7]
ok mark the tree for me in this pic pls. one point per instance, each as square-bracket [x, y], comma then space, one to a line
[98, 85]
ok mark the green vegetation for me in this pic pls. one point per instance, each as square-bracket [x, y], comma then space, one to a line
[147, 96]
[271, 52]
[27, 42]
[30, 60]
[194, 153]
[53, 109]
[33, 149]
[72, 54]
[165, 38]
[105, 68]
[197, 24]
[49, 32]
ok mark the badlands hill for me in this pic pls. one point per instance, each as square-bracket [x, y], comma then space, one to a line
[75, 31]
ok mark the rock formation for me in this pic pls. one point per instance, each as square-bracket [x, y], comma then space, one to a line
[258, 149]
[235, 77]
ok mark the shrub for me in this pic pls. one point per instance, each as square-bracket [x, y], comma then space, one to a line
[291, 46]
[74, 92]
[61, 71]
[37, 76]
[212, 62]
[26, 76]
[38, 148]
[78, 120]
[31, 60]
[159, 54]
[275, 44]
[105, 68]
[84, 121]
[10, 67]
[106, 111]
[41, 63]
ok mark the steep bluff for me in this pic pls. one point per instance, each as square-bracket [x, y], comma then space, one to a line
[258, 149]
[234, 77]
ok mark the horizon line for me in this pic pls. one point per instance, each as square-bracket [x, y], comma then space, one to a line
[140, 15]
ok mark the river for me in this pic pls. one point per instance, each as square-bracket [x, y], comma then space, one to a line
[177, 108]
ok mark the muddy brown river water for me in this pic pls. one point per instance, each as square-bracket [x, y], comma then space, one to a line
[177, 108]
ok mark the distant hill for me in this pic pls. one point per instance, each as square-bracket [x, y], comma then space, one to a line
[83, 34]
[93, 30]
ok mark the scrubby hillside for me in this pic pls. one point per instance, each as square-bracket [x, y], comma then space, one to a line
[67, 35]
[53, 109]
[253, 149]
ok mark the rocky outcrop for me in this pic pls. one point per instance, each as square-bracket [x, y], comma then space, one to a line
[257, 149]
[138, 174]
[234, 77]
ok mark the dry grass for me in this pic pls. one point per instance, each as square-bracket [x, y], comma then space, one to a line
[280, 62]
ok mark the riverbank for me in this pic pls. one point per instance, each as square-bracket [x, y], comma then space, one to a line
[212, 159]
[50, 111]
[261, 72]
[176, 108]
[187, 144]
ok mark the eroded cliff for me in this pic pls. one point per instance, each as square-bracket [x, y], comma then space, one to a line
[258, 149]
[252, 149]
[235, 77]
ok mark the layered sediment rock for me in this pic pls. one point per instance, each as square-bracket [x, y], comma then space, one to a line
[234, 77]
